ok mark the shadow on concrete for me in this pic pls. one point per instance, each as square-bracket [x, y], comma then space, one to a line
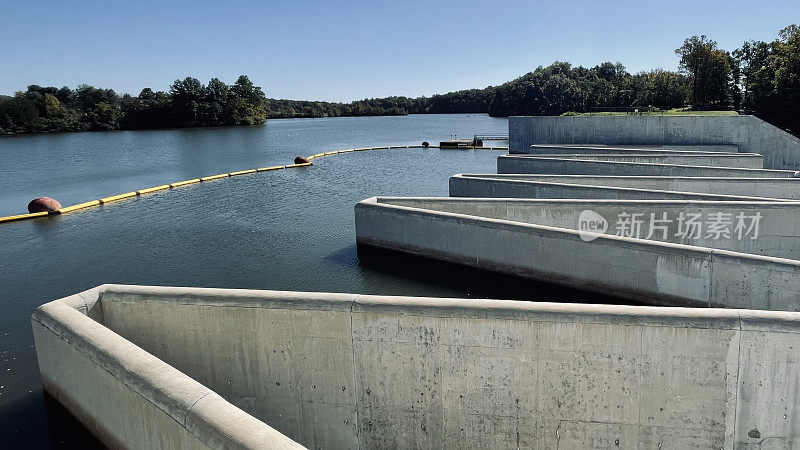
[476, 283]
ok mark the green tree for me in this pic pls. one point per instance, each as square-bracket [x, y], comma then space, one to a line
[709, 71]
[661, 88]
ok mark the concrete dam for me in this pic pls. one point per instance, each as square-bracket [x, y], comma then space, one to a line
[700, 220]
[161, 367]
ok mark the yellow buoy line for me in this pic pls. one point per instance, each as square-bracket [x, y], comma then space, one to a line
[118, 197]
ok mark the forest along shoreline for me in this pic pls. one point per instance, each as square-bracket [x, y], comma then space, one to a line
[757, 78]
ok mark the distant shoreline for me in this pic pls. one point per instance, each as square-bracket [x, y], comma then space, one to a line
[220, 127]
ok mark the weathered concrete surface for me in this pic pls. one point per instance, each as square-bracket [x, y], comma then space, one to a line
[704, 148]
[389, 372]
[778, 230]
[127, 397]
[641, 269]
[744, 160]
[489, 185]
[775, 188]
[781, 150]
[740, 160]
[649, 149]
[538, 164]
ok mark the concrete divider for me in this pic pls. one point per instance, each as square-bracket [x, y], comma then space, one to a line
[588, 148]
[645, 270]
[576, 166]
[473, 185]
[742, 160]
[782, 188]
[765, 228]
[345, 371]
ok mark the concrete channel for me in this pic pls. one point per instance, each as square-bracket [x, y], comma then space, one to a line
[162, 367]
[636, 233]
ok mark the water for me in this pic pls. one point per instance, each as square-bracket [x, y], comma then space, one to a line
[290, 229]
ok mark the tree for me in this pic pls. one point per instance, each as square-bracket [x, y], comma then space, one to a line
[661, 88]
[246, 103]
[787, 71]
[750, 58]
[187, 95]
[52, 107]
[709, 72]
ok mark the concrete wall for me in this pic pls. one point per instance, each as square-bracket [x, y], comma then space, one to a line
[389, 372]
[778, 232]
[775, 188]
[587, 148]
[781, 150]
[643, 270]
[744, 160]
[550, 165]
[127, 397]
[723, 148]
[488, 187]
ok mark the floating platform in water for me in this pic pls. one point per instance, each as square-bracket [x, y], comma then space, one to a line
[459, 143]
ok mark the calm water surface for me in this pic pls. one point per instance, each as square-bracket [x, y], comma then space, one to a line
[290, 229]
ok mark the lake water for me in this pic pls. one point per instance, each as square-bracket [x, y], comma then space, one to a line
[290, 229]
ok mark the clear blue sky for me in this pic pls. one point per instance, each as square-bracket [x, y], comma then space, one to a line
[341, 51]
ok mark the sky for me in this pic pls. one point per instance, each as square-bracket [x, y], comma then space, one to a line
[348, 50]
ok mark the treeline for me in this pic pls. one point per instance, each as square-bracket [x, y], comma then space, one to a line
[188, 103]
[466, 101]
[759, 77]
[559, 88]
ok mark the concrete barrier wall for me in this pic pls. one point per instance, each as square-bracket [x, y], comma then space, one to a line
[745, 160]
[775, 188]
[128, 398]
[643, 270]
[723, 148]
[389, 372]
[778, 232]
[560, 166]
[781, 150]
[488, 187]
[586, 148]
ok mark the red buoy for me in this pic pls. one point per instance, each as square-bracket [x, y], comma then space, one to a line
[43, 204]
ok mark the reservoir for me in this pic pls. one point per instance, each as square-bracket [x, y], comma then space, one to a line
[286, 230]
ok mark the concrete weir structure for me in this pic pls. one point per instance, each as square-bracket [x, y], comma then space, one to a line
[748, 134]
[667, 218]
[551, 217]
[159, 367]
